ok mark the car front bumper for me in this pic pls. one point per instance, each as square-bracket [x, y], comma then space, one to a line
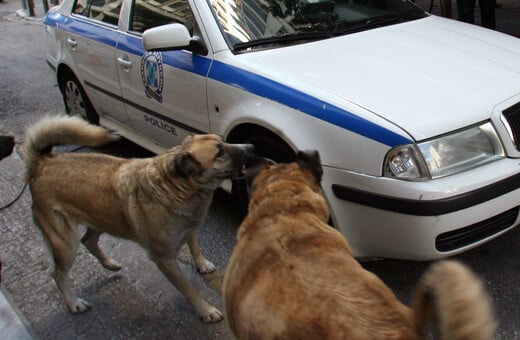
[383, 217]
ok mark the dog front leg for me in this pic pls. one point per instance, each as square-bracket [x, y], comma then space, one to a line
[203, 265]
[170, 268]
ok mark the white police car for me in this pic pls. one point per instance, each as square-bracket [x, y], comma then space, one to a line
[416, 117]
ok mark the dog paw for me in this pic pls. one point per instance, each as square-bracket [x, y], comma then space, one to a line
[204, 266]
[212, 315]
[79, 306]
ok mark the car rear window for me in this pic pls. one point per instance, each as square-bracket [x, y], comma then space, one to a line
[106, 11]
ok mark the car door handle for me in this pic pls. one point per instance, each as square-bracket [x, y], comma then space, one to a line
[126, 64]
[72, 42]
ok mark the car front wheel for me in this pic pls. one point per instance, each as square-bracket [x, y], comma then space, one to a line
[76, 100]
[267, 146]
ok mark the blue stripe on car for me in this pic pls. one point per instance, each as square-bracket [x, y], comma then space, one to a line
[236, 77]
[92, 31]
[303, 102]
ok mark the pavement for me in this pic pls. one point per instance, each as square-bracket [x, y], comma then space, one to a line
[12, 323]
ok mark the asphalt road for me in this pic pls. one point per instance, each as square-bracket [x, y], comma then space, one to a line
[138, 302]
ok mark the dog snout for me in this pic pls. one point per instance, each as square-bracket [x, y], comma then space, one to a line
[249, 150]
[243, 152]
[240, 155]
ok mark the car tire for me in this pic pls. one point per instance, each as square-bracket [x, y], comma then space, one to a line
[266, 146]
[76, 100]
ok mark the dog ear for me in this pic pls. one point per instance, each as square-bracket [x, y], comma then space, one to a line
[185, 165]
[188, 138]
[310, 160]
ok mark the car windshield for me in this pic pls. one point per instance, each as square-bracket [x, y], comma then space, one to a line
[260, 24]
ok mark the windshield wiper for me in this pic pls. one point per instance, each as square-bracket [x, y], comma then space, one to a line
[345, 28]
[284, 39]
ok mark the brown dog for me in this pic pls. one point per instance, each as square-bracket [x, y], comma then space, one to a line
[6, 146]
[157, 202]
[291, 276]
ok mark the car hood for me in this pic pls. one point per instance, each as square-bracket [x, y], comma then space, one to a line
[428, 76]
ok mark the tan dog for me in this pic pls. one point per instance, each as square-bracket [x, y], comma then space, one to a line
[157, 202]
[291, 276]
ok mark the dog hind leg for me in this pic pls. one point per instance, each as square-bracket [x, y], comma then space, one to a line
[168, 265]
[203, 265]
[63, 244]
[90, 241]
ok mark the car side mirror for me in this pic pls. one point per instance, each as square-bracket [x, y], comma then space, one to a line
[172, 37]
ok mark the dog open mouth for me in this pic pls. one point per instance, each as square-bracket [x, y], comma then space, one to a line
[253, 166]
[242, 162]
[243, 172]
[237, 174]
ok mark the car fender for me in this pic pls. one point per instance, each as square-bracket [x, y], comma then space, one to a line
[234, 107]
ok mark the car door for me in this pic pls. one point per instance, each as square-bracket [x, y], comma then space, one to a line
[91, 34]
[164, 92]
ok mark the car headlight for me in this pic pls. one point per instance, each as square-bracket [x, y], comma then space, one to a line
[445, 155]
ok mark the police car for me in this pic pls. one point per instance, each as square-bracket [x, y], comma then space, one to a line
[416, 117]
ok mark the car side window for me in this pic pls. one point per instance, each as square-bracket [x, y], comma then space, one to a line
[150, 13]
[103, 10]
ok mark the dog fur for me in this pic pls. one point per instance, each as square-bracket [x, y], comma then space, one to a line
[6, 146]
[292, 276]
[157, 202]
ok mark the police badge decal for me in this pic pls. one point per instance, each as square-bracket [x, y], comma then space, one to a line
[152, 75]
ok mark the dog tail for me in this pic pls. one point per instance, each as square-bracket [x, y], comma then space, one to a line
[61, 130]
[454, 300]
